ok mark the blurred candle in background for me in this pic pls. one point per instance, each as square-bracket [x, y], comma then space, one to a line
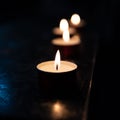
[75, 19]
[59, 111]
[66, 40]
[57, 78]
[76, 22]
[63, 25]
[69, 46]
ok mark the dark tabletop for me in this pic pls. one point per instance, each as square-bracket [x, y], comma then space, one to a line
[24, 42]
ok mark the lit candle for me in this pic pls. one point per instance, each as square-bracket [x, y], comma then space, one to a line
[63, 25]
[66, 40]
[57, 66]
[76, 21]
[57, 77]
[69, 46]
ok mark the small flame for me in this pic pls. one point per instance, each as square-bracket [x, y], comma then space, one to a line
[75, 19]
[63, 25]
[57, 60]
[66, 35]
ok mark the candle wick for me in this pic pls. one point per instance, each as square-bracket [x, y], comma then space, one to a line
[56, 67]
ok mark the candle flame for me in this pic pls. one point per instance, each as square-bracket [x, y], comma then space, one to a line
[75, 19]
[63, 24]
[66, 35]
[57, 60]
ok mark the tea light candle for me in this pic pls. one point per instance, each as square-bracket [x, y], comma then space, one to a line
[75, 19]
[66, 40]
[56, 66]
[64, 25]
[57, 78]
[69, 46]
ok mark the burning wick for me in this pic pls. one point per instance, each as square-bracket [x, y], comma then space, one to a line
[57, 60]
[56, 67]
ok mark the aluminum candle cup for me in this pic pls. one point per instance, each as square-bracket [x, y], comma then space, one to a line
[69, 49]
[59, 82]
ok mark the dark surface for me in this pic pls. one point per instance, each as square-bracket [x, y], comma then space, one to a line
[24, 43]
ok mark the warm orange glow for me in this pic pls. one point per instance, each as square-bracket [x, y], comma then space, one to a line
[63, 25]
[66, 35]
[57, 107]
[59, 111]
[57, 60]
[75, 19]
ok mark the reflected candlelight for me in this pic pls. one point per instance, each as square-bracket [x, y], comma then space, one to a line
[59, 111]
[69, 46]
[66, 40]
[57, 108]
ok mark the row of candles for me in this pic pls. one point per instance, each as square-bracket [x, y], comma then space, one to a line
[64, 41]
[61, 72]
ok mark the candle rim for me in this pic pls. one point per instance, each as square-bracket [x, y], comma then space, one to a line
[55, 41]
[57, 30]
[62, 62]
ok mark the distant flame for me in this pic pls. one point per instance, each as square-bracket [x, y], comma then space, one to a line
[66, 35]
[75, 19]
[63, 25]
[57, 60]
